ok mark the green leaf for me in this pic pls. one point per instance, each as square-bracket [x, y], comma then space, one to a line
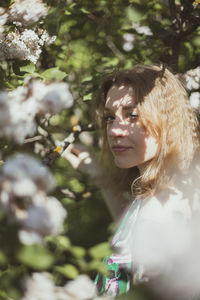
[134, 14]
[84, 10]
[63, 242]
[69, 271]
[75, 185]
[87, 97]
[29, 68]
[53, 73]
[100, 251]
[87, 79]
[78, 251]
[36, 257]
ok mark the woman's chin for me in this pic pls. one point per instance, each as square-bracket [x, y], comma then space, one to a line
[123, 164]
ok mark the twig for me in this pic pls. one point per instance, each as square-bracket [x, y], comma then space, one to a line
[56, 152]
[113, 47]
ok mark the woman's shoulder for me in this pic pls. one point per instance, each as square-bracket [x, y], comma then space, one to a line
[166, 204]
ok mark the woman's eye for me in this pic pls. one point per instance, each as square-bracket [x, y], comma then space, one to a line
[132, 116]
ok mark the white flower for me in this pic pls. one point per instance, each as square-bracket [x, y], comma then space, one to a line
[23, 46]
[142, 29]
[23, 186]
[51, 98]
[128, 46]
[45, 216]
[39, 287]
[27, 12]
[29, 237]
[195, 100]
[18, 109]
[46, 39]
[192, 79]
[3, 19]
[61, 294]
[81, 288]
[15, 122]
[129, 37]
[27, 167]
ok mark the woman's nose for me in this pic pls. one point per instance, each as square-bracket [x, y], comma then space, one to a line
[118, 129]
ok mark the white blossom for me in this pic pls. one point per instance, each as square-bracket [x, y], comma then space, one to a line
[81, 288]
[192, 79]
[128, 41]
[129, 37]
[195, 100]
[142, 29]
[27, 12]
[3, 19]
[15, 121]
[29, 177]
[29, 237]
[51, 98]
[24, 46]
[39, 287]
[46, 39]
[23, 186]
[19, 107]
[128, 46]
[45, 216]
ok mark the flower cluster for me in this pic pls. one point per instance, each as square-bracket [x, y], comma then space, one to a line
[41, 287]
[141, 29]
[19, 108]
[27, 12]
[3, 19]
[195, 100]
[192, 79]
[24, 46]
[192, 83]
[24, 185]
[129, 39]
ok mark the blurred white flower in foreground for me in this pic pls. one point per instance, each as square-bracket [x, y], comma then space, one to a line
[24, 183]
[41, 287]
[27, 12]
[3, 19]
[192, 79]
[24, 46]
[128, 41]
[81, 288]
[19, 108]
[195, 100]
[142, 29]
[52, 98]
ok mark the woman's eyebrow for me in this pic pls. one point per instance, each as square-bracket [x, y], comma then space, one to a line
[125, 107]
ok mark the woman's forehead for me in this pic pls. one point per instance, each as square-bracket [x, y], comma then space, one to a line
[122, 95]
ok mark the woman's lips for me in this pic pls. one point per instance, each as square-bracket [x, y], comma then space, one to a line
[117, 149]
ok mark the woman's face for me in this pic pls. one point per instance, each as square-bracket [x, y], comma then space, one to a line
[129, 141]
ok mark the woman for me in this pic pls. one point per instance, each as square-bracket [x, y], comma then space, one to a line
[152, 136]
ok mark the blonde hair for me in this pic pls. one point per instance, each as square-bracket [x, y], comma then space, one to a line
[164, 110]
